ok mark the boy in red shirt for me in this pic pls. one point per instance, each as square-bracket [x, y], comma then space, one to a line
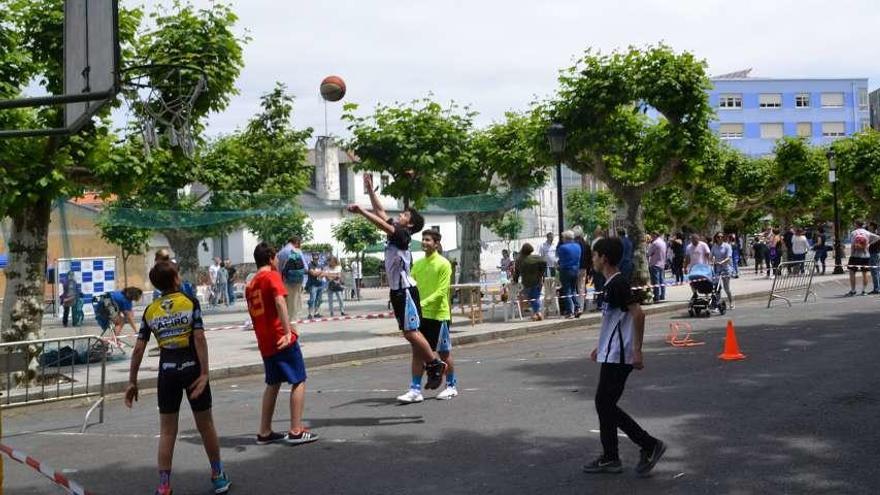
[277, 340]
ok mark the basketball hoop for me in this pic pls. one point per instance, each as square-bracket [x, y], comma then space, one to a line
[162, 97]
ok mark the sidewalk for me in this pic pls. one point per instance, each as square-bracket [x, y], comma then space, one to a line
[233, 348]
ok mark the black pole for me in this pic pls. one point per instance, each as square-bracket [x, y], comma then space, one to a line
[559, 195]
[838, 265]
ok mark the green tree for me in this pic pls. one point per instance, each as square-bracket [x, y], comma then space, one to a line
[37, 171]
[602, 101]
[275, 228]
[356, 234]
[507, 226]
[431, 150]
[858, 170]
[130, 240]
[589, 209]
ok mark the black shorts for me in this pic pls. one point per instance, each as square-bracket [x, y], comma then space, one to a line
[436, 332]
[175, 377]
[398, 303]
[858, 264]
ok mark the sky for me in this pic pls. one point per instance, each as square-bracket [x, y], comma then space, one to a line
[499, 55]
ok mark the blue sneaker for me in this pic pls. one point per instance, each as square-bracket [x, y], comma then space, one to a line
[221, 483]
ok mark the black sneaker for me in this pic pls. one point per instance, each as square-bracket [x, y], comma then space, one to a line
[435, 372]
[601, 465]
[270, 438]
[647, 460]
[850, 293]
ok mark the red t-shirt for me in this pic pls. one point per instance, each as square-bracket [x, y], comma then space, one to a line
[260, 295]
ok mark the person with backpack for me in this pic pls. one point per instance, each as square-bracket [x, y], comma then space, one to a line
[859, 257]
[335, 284]
[292, 266]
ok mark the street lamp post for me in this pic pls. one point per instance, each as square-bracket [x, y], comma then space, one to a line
[556, 137]
[832, 177]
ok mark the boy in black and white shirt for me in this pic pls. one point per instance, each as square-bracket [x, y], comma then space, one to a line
[619, 351]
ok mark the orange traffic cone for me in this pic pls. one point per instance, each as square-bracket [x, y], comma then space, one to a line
[731, 348]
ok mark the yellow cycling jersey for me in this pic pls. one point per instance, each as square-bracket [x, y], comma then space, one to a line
[172, 319]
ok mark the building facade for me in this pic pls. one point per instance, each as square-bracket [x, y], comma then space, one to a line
[753, 113]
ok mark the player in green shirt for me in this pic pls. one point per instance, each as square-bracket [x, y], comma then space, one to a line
[433, 274]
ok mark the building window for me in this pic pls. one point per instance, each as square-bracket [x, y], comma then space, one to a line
[731, 131]
[805, 129]
[386, 181]
[832, 100]
[435, 228]
[771, 131]
[770, 100]
[802, 100]
[863, 98]
[730, 101]
[833, 129]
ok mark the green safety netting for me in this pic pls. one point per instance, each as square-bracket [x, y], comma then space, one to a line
[275, 206]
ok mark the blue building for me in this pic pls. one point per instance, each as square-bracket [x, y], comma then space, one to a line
[753, 113]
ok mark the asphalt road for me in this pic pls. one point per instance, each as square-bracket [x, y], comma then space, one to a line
[799, 415]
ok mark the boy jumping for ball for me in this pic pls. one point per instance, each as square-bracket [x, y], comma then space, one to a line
[433, 274]
[619, 351]
[279, 346]
[398, 261]
[176, 320]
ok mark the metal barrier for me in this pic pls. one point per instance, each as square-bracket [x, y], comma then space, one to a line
[793, 277]
[67, 368]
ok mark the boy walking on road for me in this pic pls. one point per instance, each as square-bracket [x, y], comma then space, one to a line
[433, 274]
[176, 320]
[279, 346]
[619, 351]
[398, 263]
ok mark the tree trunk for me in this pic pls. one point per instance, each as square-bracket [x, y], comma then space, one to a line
[470, 247]
[125, 267]
[26, 274]
[28, 245]
[635, 229]
[186, 251]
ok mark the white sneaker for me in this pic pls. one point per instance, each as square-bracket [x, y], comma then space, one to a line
[447, 394]
[411, 397]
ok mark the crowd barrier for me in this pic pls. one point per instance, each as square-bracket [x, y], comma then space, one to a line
[793, 278]
[54, 370]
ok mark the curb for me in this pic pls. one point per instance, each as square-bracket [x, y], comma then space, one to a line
[404, 348]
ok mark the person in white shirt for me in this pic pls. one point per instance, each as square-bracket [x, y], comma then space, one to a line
[548, 252]
[697, 252]
[357, 275]
[799, 248]
[860, 257]
[213, 272]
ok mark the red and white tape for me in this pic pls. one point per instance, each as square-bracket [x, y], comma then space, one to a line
[56, 477]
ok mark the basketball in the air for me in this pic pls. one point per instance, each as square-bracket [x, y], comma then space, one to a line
[332, 88]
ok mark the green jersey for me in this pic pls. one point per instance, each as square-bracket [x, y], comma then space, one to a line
[433, 275]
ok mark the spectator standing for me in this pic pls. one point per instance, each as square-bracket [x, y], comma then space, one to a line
[722, 259]
[230, 284]
[506, 263]
[221, 287]
[697, 252]
[335, 284]
[314, 286]
[529, 269]
[586, 263]
[357, 274]
[568, 254]
[549, 254]
[69, 296]
[657, 265]
[292, 267]
[874, 257]
[626, 264]
[213, 270]
[860, 257]
[821, 250]
[677, 248]
[799, 248]
[776, 248]
[737, 254]
[598, 276]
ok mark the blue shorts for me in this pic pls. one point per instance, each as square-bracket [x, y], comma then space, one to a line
[285, 366]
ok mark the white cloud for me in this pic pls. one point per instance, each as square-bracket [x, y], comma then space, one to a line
[497, 54]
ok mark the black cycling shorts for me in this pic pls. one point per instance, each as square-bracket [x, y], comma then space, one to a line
[175, 378]
[398, 303]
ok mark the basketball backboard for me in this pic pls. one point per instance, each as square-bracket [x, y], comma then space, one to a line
[91, 67]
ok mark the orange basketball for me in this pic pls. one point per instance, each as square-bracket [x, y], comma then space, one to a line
[332, 88]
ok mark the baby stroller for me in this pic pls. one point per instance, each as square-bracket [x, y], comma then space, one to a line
[707, 291]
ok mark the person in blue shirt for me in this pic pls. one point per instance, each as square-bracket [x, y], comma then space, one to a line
[626, 263]
[568, 258]
[117, 308]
